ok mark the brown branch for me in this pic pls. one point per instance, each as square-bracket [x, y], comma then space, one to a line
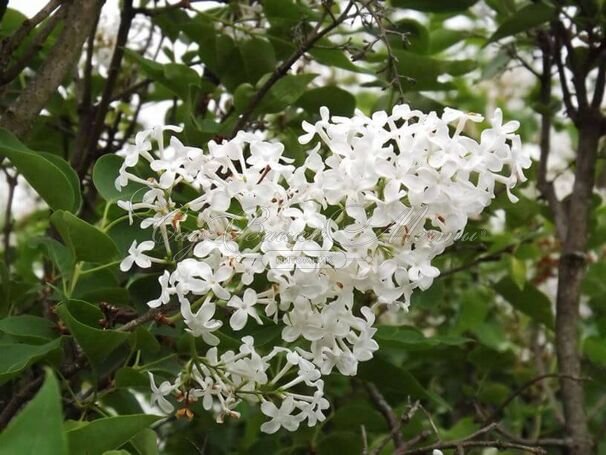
[393, 422]
[21, 113]
[181, 4]
[600, 84]
[10, 44]
[516, 393]
[546, 187]
[8, 216]
[571, 272]
[36, 45]
[579, 75]
[540, 367]
[88, 152]
[283, 69]
[566, 96]
[497, 444]
[19, 398]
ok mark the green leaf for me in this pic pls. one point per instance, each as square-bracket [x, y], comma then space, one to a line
[340, 442]
[422, 71]
[258, 58]
[58, 253]
[108, 433]
[528, 300]
[523, 20]
[435, 6]
[86, 241]
[443, 38]
[145, 442]
[175, 77]
[595, 350]
[285, 92]
[71, 175]
[337, 100]
[335, 57]
[410, 338]
[11, 20]
[517, 271]
[28, 327]
[81, 318]
[17, 357]
[52, 178]
[594, 283]
[473, 309]
[104, 174]
[394, 382]
[38, 428]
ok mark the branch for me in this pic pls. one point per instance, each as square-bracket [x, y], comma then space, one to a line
[10, 44]
[546, 187]
[579, 76]
[148, 316]
[8, 216]
[37, 43]
[181, 4]
[88, 153]
[566, 96]
[21, 113]
[497, 412]
[393, 422]
[497, 444]
[283, 69]
[19, 399]
[600, 84]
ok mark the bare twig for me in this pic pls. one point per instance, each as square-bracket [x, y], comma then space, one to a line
[546, 187]
[37, 43]
[19, 398]
[88, 153]
[21, 113]
[11, 43]
[11, 181]
[497, 412]
[181, 4]
[281, 71]
[386, 411]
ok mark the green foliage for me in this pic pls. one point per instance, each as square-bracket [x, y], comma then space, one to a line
[49, 175]
[38, 428]
[469, 342]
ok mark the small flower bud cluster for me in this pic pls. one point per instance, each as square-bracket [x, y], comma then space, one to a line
[265, 242]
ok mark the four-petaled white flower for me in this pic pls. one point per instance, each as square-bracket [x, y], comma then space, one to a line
[244, 307]
[280, 417]
[136, 255]
[159, 392]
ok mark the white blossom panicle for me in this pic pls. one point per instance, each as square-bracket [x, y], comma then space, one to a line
[263, 242]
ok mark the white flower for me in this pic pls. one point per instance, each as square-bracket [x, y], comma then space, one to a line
[245, 307]
[167, 291]
[136, 256]
[201, 323]
[158, 394]
[280, 417]
[376, 201]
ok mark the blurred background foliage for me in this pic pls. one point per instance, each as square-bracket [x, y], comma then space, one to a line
[463, 363]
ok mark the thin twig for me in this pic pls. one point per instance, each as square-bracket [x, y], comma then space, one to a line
[10, 44]
[8, 216]
[497, 412]
[386, 411]
[283, 69]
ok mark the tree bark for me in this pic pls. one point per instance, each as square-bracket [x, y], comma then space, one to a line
[570, 275]
[80, 17]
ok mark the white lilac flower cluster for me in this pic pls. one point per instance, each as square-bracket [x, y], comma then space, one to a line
[265, 242]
